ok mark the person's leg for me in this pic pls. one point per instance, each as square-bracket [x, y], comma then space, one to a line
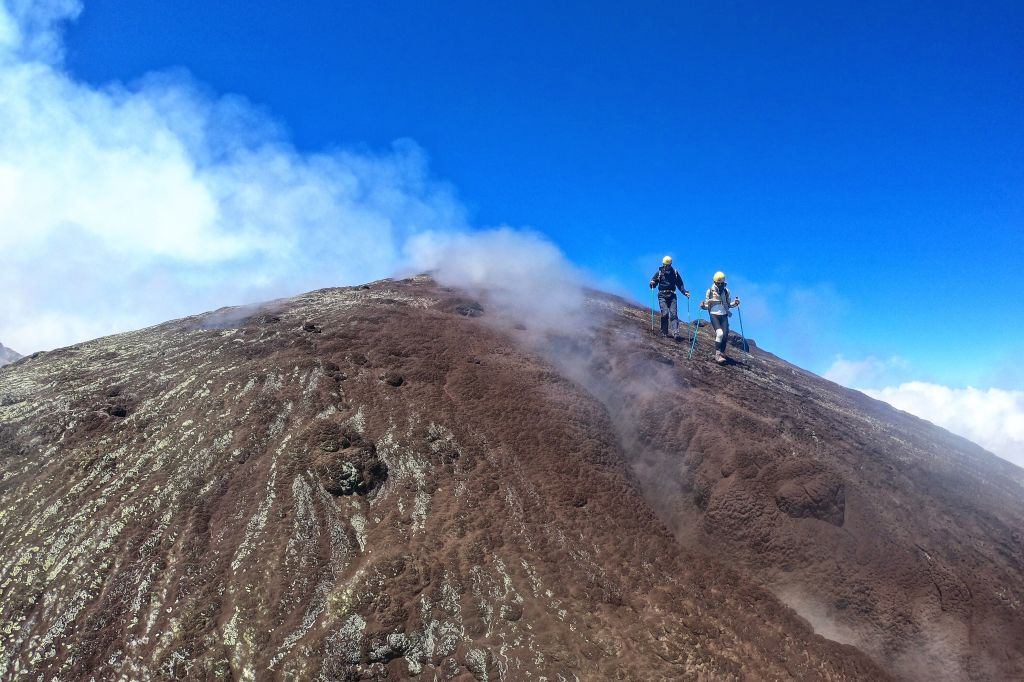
[674, 315]
[725, 334]
[663, 304]
[717, 323]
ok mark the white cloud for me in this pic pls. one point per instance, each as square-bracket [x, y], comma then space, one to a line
[993, 418]
[28, 28]
[525, 275]
[125, 205]
[869, 371]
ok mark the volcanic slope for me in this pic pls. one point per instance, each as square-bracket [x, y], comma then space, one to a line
[364, 483]
[881, 529]
[393, 481]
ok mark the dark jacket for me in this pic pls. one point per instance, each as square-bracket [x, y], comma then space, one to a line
[668, 278]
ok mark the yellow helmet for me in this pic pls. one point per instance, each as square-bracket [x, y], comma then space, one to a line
[719, 276]
[667, 260]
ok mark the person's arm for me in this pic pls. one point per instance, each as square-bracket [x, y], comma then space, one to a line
[681, 285]
[654, 280]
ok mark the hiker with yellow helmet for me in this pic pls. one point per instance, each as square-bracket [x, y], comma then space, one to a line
[718, 302]
[668, 279]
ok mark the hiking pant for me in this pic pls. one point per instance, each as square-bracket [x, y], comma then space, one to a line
[720, 323]
[669, 313]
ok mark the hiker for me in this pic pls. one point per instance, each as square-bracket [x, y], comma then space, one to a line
[718, 301]
[667, 279]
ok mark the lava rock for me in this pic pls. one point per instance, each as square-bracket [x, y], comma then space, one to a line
[118, 410]
[395, 645]
[350, 439]
[736, 341]
[512, 612]
[469, 309]
[392, 379]
[821, 496]
[332, 370]
[353, 471]
[480, 662]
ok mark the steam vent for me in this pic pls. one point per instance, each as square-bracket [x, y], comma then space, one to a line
[399, 481]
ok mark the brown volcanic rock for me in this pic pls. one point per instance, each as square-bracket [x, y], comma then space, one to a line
[237, 496]
[380, 482]
[881, 529]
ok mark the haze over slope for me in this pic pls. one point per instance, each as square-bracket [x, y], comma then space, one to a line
[408, 480]
[7, 355]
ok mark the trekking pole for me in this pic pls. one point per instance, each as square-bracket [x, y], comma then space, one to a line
[689, 316]
[746, 349]
[652, 310]
[696, 331]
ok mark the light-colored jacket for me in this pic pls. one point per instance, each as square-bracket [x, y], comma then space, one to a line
[723, 297]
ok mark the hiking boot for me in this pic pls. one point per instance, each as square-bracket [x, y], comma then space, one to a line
[719, 358]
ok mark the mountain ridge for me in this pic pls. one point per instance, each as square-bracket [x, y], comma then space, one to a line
[396, 481]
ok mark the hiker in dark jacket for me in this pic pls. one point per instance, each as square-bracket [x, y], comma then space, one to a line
[667, 279]
[718, 301]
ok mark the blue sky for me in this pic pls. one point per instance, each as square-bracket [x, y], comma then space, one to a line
[856, 168]
[870, 152]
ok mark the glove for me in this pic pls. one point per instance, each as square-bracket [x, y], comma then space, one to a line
[686, 294]
[652, 284]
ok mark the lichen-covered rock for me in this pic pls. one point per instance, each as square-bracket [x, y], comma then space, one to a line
[354, 470]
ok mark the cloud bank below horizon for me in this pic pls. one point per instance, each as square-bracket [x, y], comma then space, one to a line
[993, 418]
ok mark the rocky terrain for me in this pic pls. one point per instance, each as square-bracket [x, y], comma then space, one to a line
[882, 530]
[7, 356]
[396, 481]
